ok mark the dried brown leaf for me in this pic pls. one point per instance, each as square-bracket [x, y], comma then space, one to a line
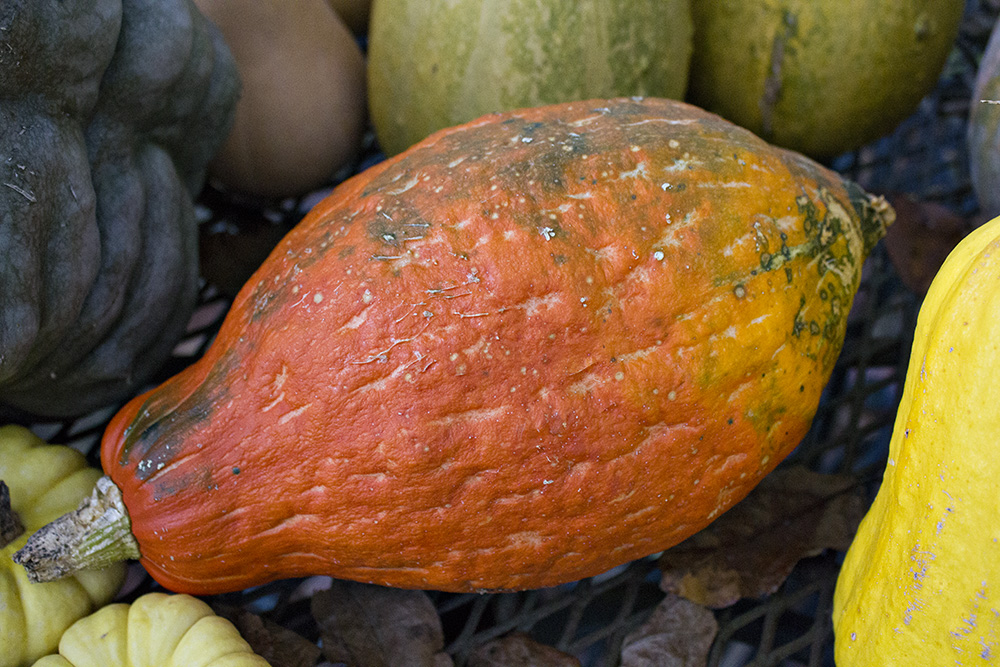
[750, 550]
[920, 239]
[278, 645]
[11, 527]
[372, 626]
[232, 248]
[678, 634]
[519, 650]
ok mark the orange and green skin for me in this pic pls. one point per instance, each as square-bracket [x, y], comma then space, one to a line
[523, 352]
[438, 63]
[819, 76]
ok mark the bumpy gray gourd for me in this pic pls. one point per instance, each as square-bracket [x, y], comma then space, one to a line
[109, 113]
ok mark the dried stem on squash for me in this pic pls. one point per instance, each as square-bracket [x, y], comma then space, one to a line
[95, 535]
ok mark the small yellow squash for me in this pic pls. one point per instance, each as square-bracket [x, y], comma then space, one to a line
[45, 482]
[920, 585]
[156, 630]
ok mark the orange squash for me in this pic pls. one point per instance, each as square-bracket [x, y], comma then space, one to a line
[527, 350]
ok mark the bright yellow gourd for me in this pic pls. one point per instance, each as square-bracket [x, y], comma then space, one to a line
[156, 630]
[920, 585]
[45, 482]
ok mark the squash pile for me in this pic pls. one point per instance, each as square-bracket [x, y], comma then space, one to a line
[590, 293]
[819, 77]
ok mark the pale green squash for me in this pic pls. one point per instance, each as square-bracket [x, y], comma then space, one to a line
[819, 76]
[437, 63]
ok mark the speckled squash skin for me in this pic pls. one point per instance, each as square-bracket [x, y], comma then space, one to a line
[918, 587]
[527, 350]
[438, 63]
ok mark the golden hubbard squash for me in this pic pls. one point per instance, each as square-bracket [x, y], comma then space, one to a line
[528, 350]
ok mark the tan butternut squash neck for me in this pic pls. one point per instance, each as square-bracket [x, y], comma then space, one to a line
[11, 527]
[95, 535]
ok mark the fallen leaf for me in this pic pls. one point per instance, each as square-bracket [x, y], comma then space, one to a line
[921, 238]
[363, 625]
[233, 247]
[750, 550]
[278, 645]
[10, 524]
[678, 634]
[519, 650]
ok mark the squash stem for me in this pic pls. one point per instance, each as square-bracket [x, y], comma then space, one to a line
[875, 213]
[11, 527]
[95, 535]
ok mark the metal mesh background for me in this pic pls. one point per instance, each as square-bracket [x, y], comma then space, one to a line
[926, 157]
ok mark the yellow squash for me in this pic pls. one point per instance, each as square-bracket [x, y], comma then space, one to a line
[45, 482]
[920, 585]
[157, 630]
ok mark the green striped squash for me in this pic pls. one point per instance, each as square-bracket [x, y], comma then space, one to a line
[437, 63]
